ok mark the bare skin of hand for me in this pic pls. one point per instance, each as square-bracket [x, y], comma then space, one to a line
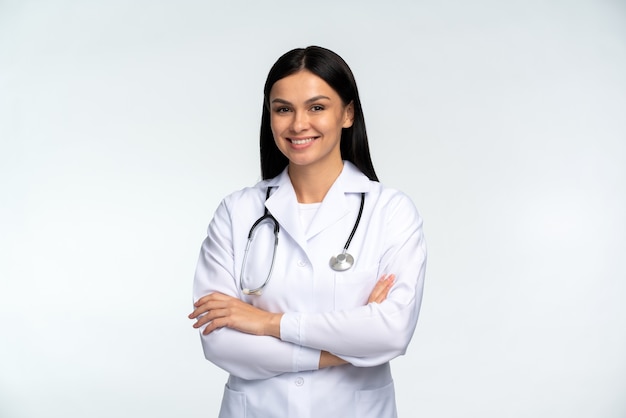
[219, 310]
[226, 311]
[330, 360]
[381, 289]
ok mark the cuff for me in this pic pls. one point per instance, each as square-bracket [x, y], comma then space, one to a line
[290, 329]
[304, 358]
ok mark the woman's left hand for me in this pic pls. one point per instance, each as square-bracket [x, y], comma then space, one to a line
[219, 310]
[382, 288]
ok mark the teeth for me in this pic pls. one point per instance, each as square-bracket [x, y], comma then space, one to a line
[301, 141]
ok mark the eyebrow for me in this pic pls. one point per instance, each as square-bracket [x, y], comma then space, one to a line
[308, 101]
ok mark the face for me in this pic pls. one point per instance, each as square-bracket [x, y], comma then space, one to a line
[307, 117]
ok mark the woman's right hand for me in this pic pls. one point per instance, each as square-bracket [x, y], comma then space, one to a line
[381, 289]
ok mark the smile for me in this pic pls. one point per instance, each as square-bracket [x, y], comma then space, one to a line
[302, 141]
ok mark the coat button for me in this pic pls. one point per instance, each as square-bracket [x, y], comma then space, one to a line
[301, 263]
[299, 381]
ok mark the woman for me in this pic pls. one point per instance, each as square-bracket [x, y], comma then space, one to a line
[302, 336]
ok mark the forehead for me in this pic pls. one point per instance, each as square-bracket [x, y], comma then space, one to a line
[301, 86]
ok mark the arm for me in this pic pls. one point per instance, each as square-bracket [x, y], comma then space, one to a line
[216, 310]
[378, 295]
[226, 314]
[374, 334]
[241, 354]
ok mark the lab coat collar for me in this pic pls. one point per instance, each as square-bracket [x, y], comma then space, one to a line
[351, 180]
[283, 204]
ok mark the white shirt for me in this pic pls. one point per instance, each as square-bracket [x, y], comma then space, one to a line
[323, 309]
[307, 213]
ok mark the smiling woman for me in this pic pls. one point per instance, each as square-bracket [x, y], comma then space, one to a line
[310, 332]
[307, 118]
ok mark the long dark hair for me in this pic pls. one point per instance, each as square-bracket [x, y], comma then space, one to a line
[331, 68]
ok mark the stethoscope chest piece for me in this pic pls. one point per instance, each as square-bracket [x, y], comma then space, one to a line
[341, 262]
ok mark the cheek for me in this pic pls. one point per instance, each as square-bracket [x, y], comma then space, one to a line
[334, 124]
[277, 125]
[276, 131]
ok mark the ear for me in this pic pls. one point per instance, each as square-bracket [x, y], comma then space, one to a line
[348, 115]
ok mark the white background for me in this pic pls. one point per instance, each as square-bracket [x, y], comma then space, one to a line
[123, 124]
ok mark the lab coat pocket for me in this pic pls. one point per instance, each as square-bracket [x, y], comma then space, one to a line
[233, 404]
[353, 288]
[376, 403]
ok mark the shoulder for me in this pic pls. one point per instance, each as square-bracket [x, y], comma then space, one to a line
[258, 192]
[245, 198]
[395, 204]
[238, 206]
[389, 194]
[389, 201]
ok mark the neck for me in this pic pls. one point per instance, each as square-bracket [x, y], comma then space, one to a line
[311, 184]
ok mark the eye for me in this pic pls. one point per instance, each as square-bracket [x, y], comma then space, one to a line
[282, 109]
[317, 108]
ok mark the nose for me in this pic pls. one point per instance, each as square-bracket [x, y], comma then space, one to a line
[300, 122]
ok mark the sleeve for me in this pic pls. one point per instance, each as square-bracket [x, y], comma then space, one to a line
[376, 333]
[243, 355]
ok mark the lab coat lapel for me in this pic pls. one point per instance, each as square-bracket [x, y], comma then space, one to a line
[335, 205]
[332, 209]
[283, 205]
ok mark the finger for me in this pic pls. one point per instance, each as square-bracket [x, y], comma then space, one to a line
[389, 281]
[204, 319]
[209, 304]
[221, 314]
[202, 300]
[212, 326]
[210, 301]
[377, 290]
[200, 310]
[211, 296]
[215, 324]
[381, 290]
[375, 293]
[382, 283]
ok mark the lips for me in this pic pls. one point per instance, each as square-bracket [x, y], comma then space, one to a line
[301, 141]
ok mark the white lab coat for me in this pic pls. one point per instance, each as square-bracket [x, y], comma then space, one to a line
[323, 309]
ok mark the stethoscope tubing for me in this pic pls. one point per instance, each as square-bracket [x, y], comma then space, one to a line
[356, 224]
[341, 262]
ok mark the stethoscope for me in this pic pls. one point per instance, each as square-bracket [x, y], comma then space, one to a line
[339, 262]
